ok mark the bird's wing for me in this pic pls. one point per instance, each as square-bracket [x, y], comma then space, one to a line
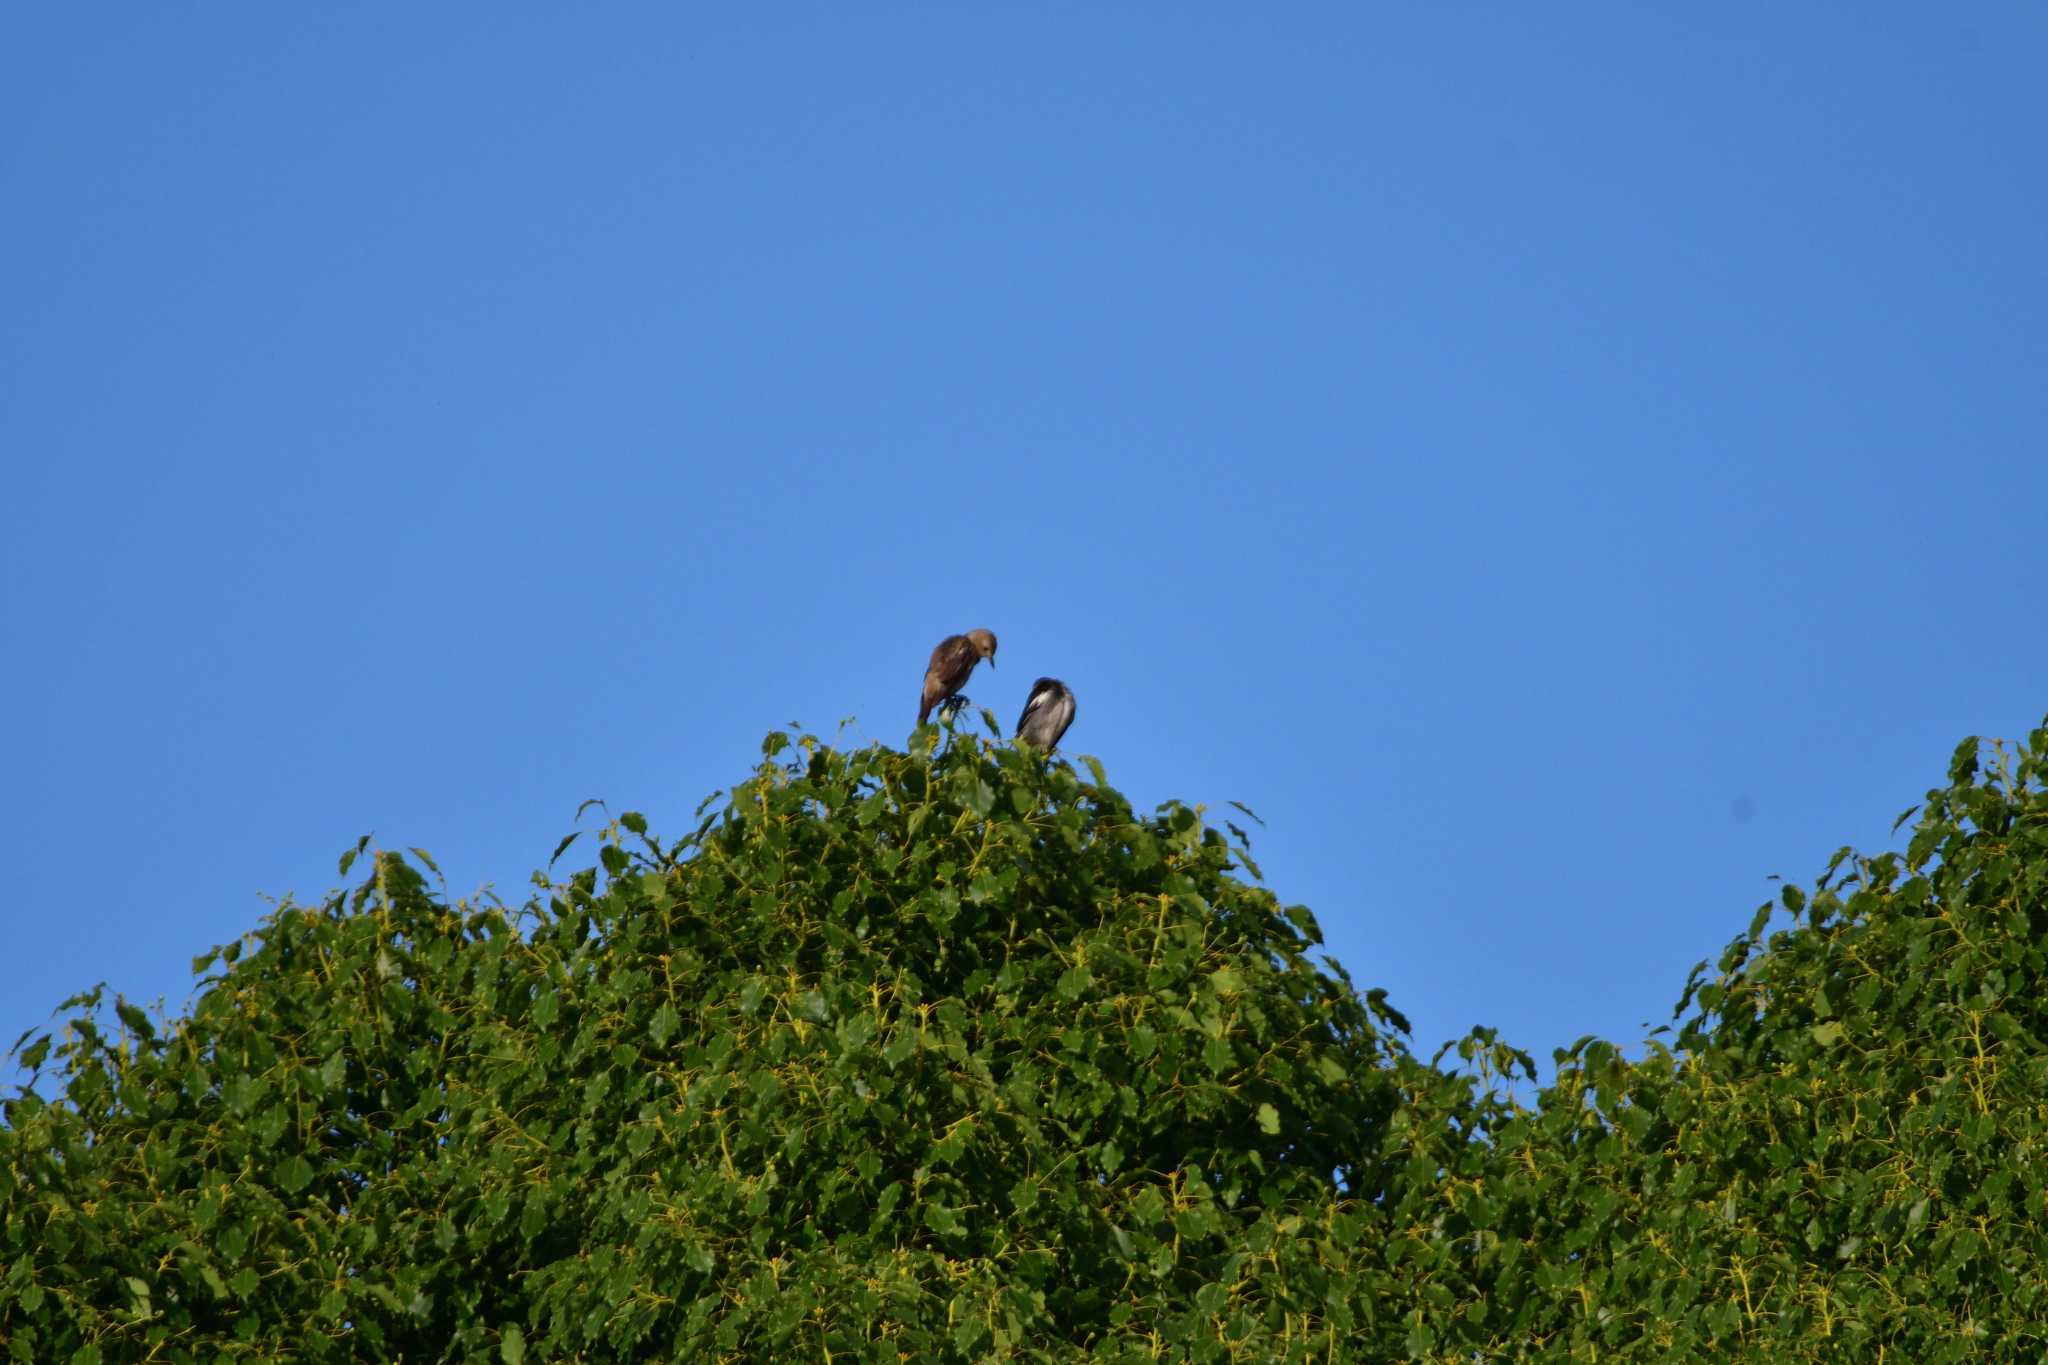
[1063, 716]
[1033, 705]
[951, 662]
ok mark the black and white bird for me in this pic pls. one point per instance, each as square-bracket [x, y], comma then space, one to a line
[953, 659]
[1047, 714]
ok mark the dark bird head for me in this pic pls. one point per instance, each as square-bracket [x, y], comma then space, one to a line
[984, 642]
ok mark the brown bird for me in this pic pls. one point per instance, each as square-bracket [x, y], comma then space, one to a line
[1047, 715]
[952, 661]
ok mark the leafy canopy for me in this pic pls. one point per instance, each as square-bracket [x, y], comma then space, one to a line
[951, 1055]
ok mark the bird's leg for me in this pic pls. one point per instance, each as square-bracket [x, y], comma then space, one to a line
[953, 706]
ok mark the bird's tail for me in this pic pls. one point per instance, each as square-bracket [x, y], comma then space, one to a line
[924, 708]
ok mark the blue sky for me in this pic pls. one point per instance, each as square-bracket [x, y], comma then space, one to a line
[1560, 468]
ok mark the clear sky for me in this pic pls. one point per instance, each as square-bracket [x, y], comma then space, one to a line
[1559, 465]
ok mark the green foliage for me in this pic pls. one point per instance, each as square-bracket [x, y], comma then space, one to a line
[954, 1057]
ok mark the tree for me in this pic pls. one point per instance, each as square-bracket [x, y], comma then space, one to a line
[953, 1056]
[896, 1057]
[1839, 1157]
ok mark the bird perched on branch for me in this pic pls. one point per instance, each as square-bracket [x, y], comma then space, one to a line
[1047, 714]
[952, 661]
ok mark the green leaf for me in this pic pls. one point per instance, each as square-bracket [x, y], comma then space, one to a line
[1219, 1055]
[1376, 1001]
[1828, 1034]
[663, 1025]
[138, 1023]
[967, 1331]
[1269, 1119]
[1757, 921]
[512, 1345]
[294, 1173]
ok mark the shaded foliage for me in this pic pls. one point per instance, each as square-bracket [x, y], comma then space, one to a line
[954, 1056]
